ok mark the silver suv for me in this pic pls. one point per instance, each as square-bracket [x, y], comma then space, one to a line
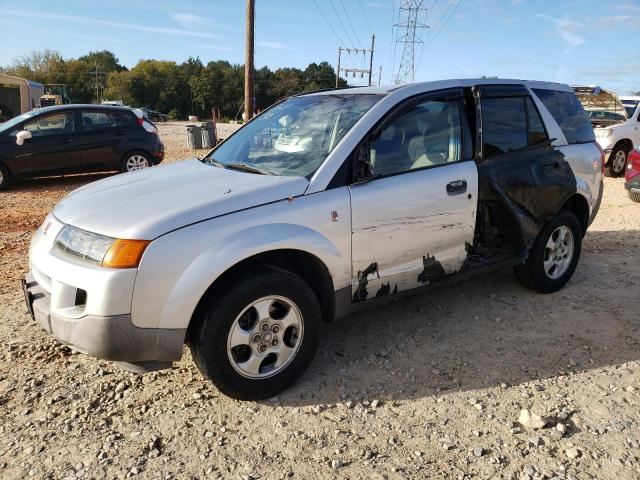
[324, 202]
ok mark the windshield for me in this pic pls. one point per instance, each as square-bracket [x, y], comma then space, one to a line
[294, 137]
[9, 124]
[630, 107]
[607, 116]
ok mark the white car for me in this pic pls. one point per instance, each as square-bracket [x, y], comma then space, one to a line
[616, 123]
[242, 255]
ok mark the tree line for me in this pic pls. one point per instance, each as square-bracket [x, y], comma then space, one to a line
[188, 88]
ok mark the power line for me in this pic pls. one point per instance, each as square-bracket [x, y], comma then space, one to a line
[364, 15]
[435, 35]
[328, 22]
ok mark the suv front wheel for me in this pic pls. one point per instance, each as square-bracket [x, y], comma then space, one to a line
[257, 338]
[554, 255]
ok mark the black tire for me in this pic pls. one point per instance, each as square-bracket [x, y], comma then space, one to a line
[635, 197]
[217, 314]
[125, 164]
[5, 177]
[532, 273]
[617, 170]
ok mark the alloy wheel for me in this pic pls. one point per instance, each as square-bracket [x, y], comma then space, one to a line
[558, 252]
[619, 162]
[136, 162]
[265, 337]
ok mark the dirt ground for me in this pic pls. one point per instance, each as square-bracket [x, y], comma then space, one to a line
[429, 386]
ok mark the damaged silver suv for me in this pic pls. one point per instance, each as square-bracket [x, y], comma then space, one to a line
[324, 202]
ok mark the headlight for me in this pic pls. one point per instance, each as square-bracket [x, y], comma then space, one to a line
[604, 132]
[100, 249]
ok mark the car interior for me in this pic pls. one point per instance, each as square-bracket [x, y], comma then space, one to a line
[427, 135]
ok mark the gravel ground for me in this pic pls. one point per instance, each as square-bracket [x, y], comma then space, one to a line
[484, 379]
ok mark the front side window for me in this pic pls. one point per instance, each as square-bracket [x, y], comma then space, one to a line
[294, 137]
[569, 113]
[57, 124]
[428, 134]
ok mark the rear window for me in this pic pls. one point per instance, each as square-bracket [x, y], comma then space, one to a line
[568, 112]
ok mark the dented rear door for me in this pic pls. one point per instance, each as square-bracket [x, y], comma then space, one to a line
[411, 223]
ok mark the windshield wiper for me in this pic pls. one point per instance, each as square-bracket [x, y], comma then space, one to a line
[213, 161]
[246, 168]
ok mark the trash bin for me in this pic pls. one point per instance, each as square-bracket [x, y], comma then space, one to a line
[194, 137]
[208, 134]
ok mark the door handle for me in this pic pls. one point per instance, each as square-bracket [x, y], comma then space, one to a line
[457, 187]
[65, 140]
[553, 164]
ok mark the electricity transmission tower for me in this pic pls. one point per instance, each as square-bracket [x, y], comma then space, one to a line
[411, 17]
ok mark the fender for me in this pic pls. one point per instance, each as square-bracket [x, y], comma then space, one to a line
[218, 257]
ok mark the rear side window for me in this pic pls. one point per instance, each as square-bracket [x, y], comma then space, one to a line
[568, 112]
[504, 125]
[105, 120]
[537, 132]
[510, 123]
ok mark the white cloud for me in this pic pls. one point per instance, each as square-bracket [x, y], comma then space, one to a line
[375, 5]
[188, 20]
[567, 31]
[107, 23]
[270, 44]
[614, 21]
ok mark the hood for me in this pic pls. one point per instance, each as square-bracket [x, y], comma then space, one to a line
[150, 202]
[603, 107]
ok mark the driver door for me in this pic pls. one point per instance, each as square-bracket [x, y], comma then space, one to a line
[412, 218]
[51, 147]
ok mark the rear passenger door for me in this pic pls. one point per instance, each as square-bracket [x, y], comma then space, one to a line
[520, 169]
[413, 217]
[102, 132]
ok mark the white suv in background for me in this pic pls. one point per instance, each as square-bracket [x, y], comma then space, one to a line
[616, 123]
[243, 254]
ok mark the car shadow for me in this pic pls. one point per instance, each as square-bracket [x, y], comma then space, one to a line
[60, 182]
[482, 332]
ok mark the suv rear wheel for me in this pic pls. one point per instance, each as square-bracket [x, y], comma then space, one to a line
[617, 162]
[554, 255]
[133, 161]
[257, 338]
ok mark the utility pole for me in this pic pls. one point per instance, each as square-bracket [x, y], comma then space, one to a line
[97, 74]
[249, 91]
[354, 71]
[412, 16]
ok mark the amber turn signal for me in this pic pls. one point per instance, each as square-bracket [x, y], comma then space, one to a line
[125, 253]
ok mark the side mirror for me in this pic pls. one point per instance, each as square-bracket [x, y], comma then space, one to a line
[22, 135]
[362, 171]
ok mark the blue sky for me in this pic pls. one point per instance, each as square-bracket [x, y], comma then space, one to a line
[569, 41]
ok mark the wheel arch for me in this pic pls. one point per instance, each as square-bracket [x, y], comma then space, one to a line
[579, 206]
[302, 263]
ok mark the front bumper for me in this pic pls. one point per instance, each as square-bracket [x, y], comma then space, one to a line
[112, 337]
